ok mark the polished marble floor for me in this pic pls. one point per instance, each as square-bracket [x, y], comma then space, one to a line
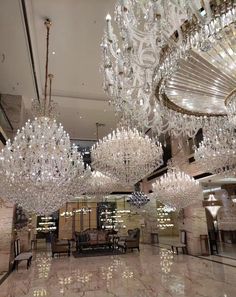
[154, 272]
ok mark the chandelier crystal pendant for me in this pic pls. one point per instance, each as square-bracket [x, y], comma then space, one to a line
[127, 155]
[40, 161]
[138, 199]
[177, 189]
[129, 61]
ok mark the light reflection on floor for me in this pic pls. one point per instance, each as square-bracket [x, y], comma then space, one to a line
[154, 272]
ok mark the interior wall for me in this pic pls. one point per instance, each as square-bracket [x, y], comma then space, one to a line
[144, 218]
[227, 213]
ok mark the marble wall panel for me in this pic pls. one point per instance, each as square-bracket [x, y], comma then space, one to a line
[194, 223]
[6, 231]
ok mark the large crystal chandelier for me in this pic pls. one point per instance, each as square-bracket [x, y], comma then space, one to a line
[177, 189]
[40, 161]
[41, 155]
[127, 155]
[155, 36]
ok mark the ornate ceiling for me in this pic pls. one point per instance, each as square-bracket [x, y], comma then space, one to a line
[206, 78]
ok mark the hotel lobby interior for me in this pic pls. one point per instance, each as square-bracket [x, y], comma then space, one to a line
[117, 147]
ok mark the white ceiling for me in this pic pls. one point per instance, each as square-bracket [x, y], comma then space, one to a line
[75, 38]
[16, 75]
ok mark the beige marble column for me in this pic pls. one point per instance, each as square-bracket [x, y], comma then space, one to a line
[6, 231]
[194, 223]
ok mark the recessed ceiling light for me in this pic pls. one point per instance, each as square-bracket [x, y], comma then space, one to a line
[53, 53]
[80, 117]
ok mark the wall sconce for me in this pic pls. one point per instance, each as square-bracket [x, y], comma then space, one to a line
[213, 205]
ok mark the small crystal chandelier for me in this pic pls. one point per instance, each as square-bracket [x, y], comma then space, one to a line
[100, 184]
[138, 199]
[177, 189]
[40, 162]
[217, 152]
[127, 155]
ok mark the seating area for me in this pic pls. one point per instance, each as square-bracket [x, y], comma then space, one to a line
[182, 244]
[91, 239]
[60, 247]
[21, 256]
[131, 241]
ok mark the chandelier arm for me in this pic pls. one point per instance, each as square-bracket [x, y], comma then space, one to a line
[48, 24]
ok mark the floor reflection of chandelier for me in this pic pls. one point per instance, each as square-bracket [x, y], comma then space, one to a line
[41, 155]
[40, 162]
[127, 155]
[177, 189]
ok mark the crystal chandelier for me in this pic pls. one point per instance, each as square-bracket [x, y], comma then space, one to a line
[177, 189]
[217, 152]
[41, 155]
[138, 199]
[40, 162]
[100, 184]
[41, 201]
[155, 37]
[206, 25]
[127, 155]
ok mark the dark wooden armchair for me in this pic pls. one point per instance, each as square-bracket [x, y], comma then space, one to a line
[60, 247]
[131, 241]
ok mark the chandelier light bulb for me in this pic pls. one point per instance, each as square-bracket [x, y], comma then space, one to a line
[108, 17]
